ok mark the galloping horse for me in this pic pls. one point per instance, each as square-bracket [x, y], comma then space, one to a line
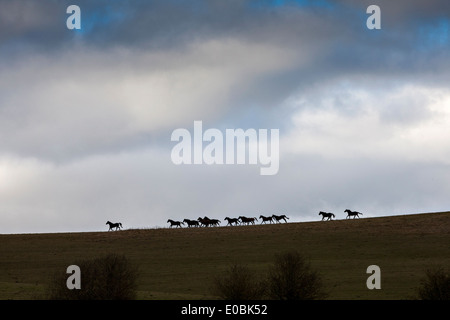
[232, 220]
[352, 213]
[247, 220]
[278, 218]
[326, 215]
[204, 221]
[191, 223]
[265, 219]
[214, 222]
[175, 223]
[117, 225]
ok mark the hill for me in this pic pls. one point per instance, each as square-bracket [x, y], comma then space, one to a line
[181, 263]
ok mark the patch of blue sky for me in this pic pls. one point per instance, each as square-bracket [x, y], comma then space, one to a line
[101, 17]
[434, 35]
[324, 4]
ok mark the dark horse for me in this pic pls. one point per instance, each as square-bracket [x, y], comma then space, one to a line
[247, 220]
[175, 223]
[117, 225]
[328, 215]
[278, 218]
[352, 213]
[191, 223]
[232, 220]
[265, 219]
[206, 222]
[214, 222]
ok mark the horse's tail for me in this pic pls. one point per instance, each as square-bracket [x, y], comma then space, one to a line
[333, 215]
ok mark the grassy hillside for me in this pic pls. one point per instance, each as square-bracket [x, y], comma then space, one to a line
[181, 263]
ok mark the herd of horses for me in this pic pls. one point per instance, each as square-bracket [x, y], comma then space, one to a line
[241, 220]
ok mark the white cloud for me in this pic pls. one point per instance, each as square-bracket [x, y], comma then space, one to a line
[408, 122]
[81, 101]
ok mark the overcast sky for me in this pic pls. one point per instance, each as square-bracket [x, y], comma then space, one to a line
[86, 115]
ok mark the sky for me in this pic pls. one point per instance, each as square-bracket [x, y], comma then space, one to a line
[86, 116]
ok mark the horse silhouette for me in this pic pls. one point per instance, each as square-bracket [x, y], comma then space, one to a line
[232, 220]
[117, 225]
[204, 221]
[265, 219]
[175, 223]
[191, 223]
[214, 222]
[247, 220]
[352, 213]
[278, 218]
[328, 215]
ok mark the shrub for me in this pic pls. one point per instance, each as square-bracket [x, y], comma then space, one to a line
[111, 277]
[436, 285]
[238, 283]
[292, 278]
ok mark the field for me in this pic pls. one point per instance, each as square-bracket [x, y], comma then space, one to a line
[181, 263]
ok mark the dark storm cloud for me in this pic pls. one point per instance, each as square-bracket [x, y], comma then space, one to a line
[169, 22]
[332, 31]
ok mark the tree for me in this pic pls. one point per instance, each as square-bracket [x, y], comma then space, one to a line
[292, 278]
[435, 286]
[111, 277]
[238, 283]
